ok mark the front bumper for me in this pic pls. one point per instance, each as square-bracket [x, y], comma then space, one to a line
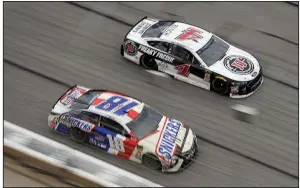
[185, 159]
[250, 88]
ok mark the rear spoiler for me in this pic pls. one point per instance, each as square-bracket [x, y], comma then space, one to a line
[134, 26]
[69, 89]
[63, 95]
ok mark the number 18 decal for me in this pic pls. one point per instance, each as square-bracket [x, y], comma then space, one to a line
[116, 143]
[116, 103]
[183, 69]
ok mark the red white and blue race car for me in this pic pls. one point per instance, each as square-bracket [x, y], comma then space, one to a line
[193, 55]
[124, 126]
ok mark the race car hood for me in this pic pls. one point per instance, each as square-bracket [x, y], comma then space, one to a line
[171, 137]
[237, 65]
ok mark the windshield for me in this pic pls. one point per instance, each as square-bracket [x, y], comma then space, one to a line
[214, 50]
[145, 123]
[156, 30]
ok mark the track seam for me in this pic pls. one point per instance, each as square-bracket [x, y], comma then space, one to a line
[130, 25]
[36, 73]
[198, 136]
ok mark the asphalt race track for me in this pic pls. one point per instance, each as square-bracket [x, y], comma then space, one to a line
[48, 46]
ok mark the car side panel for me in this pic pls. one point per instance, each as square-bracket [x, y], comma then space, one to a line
[112, 142]
[167, 63]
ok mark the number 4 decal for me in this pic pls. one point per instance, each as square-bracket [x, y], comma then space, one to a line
[116, 143]
[183, 69]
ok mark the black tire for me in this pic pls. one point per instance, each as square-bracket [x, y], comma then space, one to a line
[78, 135]
[148, 62]
[122, 50]
[220, 86]
[151, 161]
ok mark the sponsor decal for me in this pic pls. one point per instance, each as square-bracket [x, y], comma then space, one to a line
[141, 27]
[54, 122]
[183, 69]
[99, 138]
[145, 27]
[207, 76]
[170, 29]
[165, 164]
[167, 141]
[254, 74]
[70, 97]
[190, 34]
[74, 122]
[96, 142]
[130, 48]
[238, 65]
[156, 54]
[234, 89]
[162, 66]
[138, 154]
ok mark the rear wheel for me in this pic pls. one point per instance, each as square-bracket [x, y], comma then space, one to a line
[151, 161]
[220, 86]
[78, 135]
[148, 62]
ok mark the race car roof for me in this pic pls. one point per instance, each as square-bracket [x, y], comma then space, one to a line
[189, 36]
[116, 106]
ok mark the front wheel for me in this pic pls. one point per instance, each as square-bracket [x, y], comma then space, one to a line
[220, 86]
[151, 161]
[148, 62]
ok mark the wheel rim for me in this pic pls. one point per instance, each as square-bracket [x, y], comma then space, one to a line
[220, 86]
[149, 63]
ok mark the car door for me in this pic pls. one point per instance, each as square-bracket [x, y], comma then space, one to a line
[161, 59]
[114, 138]
[189, 69]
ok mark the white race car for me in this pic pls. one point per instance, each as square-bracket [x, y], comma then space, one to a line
[125, 127]
[193, 55]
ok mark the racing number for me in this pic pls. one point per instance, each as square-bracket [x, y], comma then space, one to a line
[116, 143]
[183, 69]
[116, 103]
